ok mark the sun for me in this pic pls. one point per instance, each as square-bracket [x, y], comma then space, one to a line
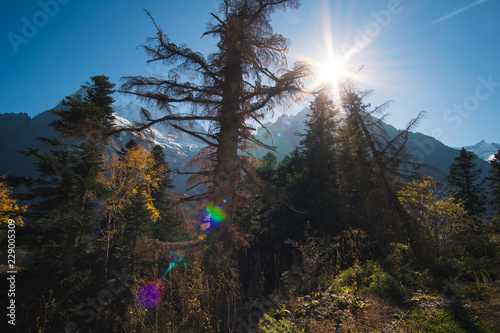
[333, 71]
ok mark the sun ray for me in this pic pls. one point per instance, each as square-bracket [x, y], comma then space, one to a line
[331, 65]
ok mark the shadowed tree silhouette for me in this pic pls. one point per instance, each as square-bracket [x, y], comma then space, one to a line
[392, 166]
[464, 180]
[246, 77]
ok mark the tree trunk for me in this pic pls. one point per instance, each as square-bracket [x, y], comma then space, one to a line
[68, 258]
[226, 171]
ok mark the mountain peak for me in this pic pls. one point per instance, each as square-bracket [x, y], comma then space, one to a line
[484, 149]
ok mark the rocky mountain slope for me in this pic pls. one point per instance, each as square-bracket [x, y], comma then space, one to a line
[19, 132]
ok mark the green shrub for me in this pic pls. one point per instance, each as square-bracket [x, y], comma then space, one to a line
[477, 291]
[270, 325]
[342, 303]
[299, 313]
[369, 278]
[437, 321]
[384, 285]
[399, 263]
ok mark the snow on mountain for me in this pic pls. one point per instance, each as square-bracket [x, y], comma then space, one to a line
[178, 147]
[484, 150]
[132, 113]
[166, 141]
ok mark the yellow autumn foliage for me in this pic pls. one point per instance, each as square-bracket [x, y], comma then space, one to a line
[134, 173]
[9, 209]
[438, 216]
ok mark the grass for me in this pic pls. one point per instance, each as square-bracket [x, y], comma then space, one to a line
[445, 321]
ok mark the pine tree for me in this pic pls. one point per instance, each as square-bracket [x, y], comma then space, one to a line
[61, 219]
[391, 167]
[318, 150]
[267, 172]
[463, 179]
[355, 178]
[237, 83]
[169, 225]
[318, 143]
[270, 162]
[67, 185]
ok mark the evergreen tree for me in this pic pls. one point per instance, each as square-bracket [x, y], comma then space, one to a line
[270, 162]
[391, 167]
[128, 146]
[87, 118]
[463, 179]
[355, 178]
[317, 146]
[318, 150]
[169, 225]
[62, 214]
[267, 172]
[64, 193]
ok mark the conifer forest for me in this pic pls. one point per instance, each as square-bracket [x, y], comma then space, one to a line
[345, 233]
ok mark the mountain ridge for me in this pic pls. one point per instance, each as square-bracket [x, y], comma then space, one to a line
[484, 150]
[433, 155]
[19, 132]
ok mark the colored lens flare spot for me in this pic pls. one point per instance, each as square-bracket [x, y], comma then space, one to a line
[212, 216]
[287, 124]
[279, 134]
[151, 293]
[168, 269]
[177, 259]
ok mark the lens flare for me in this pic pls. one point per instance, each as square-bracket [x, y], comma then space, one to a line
[153, 290]
[177, 259]
[287, 124]
[151, 293]
[168, 269]
[216, 214]
[212, 216]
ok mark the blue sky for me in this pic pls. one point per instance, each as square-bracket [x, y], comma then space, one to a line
[437, 56]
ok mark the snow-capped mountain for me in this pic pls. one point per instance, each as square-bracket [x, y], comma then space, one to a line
[132, 113]
[484, 150]
[19, 131]
[169, 142]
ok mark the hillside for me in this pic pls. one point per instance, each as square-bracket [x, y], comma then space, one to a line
[434, 156]
[18, 132]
